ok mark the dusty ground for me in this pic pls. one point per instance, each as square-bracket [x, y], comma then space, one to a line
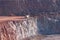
[36, 37]
[52, 37]
[41, 37]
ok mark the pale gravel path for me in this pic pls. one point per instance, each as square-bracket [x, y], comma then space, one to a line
[52, 37]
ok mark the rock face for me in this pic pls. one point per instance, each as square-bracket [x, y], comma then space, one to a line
[6, 32]
[17, 30]
[49, 23]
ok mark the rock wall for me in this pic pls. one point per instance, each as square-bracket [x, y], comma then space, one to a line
[17, 30]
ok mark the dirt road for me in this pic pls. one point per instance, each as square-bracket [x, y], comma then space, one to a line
[11, 18]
